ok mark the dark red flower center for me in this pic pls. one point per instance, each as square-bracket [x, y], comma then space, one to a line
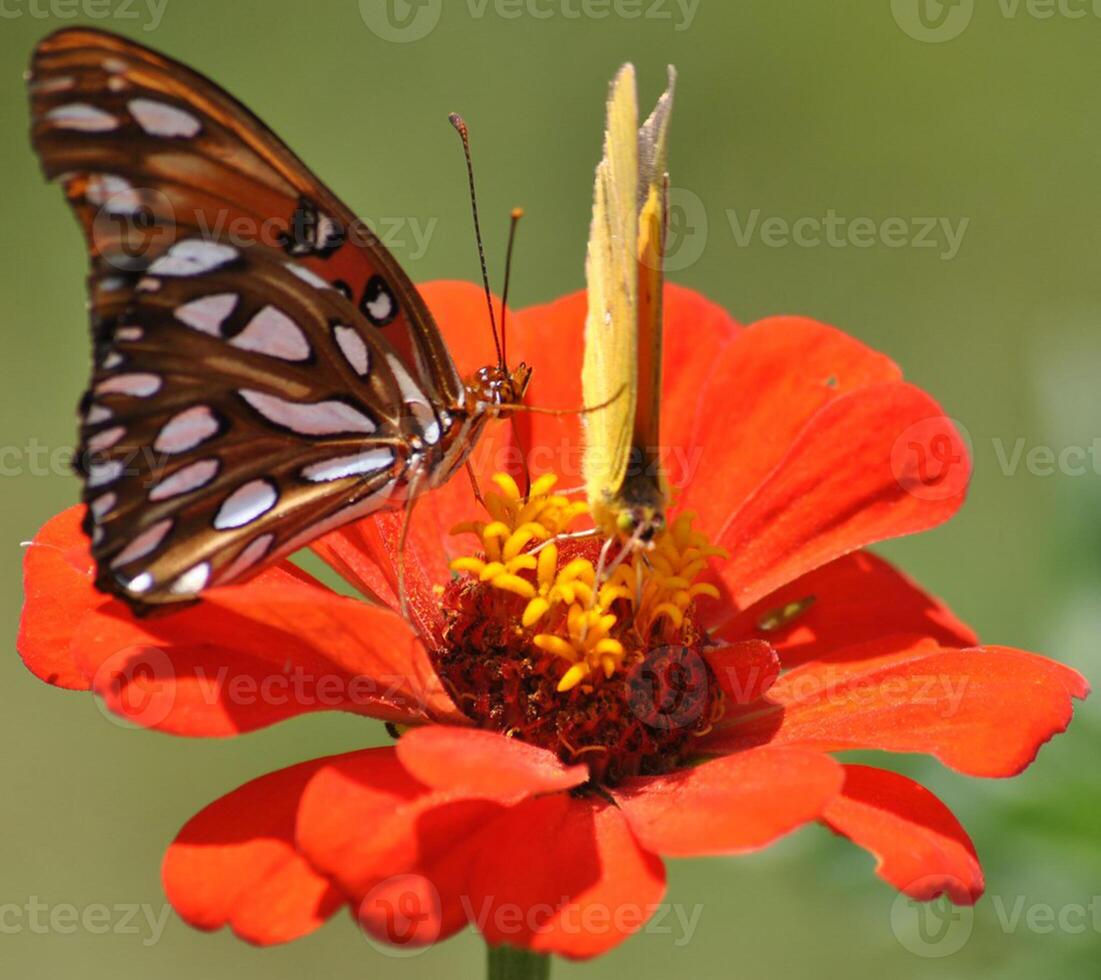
[611, 677]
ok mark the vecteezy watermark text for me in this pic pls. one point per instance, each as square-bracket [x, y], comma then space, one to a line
[96, 918]
[833, 230]
[404, 21]
[149, 12]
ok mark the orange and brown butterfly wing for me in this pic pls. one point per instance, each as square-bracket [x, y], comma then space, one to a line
[260, 375]
[132, 134]
[239, 412]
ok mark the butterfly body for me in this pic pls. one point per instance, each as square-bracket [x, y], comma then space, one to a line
[621, 373]
[264, 371]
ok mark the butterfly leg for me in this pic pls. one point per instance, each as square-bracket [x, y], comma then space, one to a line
[571, 536]
[474, 485]
[604, 569]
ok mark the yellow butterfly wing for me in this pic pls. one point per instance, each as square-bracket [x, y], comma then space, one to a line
[621, 372]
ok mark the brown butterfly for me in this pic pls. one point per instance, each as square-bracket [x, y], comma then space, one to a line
[249, 392]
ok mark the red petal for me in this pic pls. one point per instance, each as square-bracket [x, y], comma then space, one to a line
[745, 669]
[484, 764]
[763, 390]
[209, 691]
[321, 641]
[697, 332]
[401, 851]
[346, 796]
[366, 553]
[843, 485]
[58, 590]
[563, 875]
[550, 338]
[235, 864]
[731, 805]
[919, 845]
[857, 598]
[459, 309]
[984, 711]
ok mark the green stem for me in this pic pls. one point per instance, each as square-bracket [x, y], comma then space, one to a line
[507, 963]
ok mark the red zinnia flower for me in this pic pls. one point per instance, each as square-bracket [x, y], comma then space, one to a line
[550, 761]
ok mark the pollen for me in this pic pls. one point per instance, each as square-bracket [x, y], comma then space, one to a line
[562, 637]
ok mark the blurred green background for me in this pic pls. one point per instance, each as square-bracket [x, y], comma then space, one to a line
[862, 108]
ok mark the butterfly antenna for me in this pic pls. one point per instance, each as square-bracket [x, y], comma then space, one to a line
[464, 134]
[517, 214]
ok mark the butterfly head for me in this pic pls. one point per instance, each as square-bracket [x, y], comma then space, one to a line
[638, 510]
[496, 388]
[641, 523]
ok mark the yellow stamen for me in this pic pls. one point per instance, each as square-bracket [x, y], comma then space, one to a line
[583, 622]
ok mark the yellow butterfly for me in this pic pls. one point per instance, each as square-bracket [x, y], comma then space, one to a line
[621, 372]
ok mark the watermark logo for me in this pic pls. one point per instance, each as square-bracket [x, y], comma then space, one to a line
[931, 930]
[401, 915]
[136, 687]
[933, 21]
[401, 21]
[686, 234]
[928, 461]
[668, 690]
[132, 224]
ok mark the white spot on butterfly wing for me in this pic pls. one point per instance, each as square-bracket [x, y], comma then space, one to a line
[96, 414]
[59, 83]
[192, 257]
[378, 303]
[249, 556]
[149, 540]
[317, 419]
[274, 333]
[141, 583]
[82, 117]
[358, 464]
[354, 349]
[139, 385]
[102, 473]
[309, 276]
[129, 333]
[112, 360]
[186, 430]
[381, 306]
[327, 230]
[105, 439]
[190, 477]
[116, 195]
[103, 504]
[192, 581]
[208, 313]
[248, 502]
[162, 119]
[417, 401]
